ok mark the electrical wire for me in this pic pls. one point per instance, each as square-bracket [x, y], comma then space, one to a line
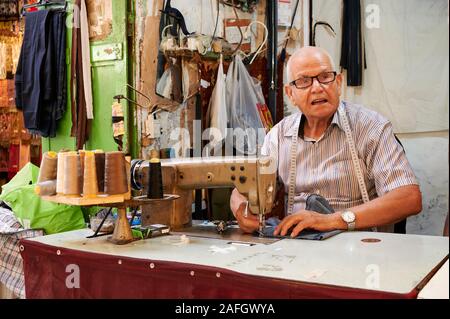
[283, 51]
[240, 32]
[259, 50]
[215, 27]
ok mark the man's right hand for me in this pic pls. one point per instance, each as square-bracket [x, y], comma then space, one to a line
[247, 222]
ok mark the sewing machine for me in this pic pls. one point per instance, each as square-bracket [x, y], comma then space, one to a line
[253, 177]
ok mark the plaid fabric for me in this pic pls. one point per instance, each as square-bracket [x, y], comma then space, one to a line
[11, 266]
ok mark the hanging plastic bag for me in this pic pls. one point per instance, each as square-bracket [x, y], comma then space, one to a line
[164, 86]
[246, 102]
[217, 109]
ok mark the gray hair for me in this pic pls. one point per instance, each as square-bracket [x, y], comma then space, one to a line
[300, 52]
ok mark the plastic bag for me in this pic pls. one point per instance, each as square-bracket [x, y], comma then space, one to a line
[34, 212]
[164, 86]
[245, 100]
[170, 84]
[217, 110]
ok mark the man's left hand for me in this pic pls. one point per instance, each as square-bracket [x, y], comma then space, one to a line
[304, 219]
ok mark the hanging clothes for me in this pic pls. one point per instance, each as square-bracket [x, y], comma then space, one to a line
[86, 55]
[54, 103]
[40, 79]
[352, 50]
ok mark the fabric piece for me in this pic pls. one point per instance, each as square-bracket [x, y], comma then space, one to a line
[325, 167]
[352, 52]
[314, 203]
[308, 234]
[86, 57]
[31, 62]
[54, 99]
[80, 123]
[11, 266]
[59, 38]
[8, 222]
[41, 72]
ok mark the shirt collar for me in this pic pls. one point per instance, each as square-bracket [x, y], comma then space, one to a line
[290, 131]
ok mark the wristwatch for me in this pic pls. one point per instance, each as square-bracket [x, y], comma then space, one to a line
[349, 217]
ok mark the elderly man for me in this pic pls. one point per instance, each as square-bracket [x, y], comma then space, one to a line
[373, 187]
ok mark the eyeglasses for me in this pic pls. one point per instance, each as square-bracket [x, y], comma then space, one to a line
[306, 81]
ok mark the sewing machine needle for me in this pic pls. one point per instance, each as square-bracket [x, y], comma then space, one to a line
[261, 224]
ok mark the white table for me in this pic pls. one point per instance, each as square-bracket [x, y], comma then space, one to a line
[437, 287]
[386, 263]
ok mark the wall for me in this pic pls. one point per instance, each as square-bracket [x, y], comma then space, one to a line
[428, 155]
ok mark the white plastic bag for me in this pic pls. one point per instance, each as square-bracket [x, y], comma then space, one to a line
[217, 109]
[244, 94]
[164, 85]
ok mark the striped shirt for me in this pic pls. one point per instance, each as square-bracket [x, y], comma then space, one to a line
[325, 167]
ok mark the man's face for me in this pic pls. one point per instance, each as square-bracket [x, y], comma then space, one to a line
[319, 101]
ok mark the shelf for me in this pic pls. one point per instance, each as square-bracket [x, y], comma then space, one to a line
[82, 201]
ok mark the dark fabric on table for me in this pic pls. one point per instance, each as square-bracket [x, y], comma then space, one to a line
[314, 203]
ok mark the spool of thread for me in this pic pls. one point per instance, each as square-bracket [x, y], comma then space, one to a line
[100, 170]
[116, 181]
[81, 152]
[60, 173]
[167, 153]
[155, 185]
[72, 175]
[48, 167]
[46, 188]
[90, 189]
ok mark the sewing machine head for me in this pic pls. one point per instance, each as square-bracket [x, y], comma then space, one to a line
[254, 177]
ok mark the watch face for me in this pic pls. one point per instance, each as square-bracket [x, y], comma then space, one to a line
[349, 217]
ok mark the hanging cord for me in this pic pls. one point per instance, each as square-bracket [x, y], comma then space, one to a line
[283, 51]
[215, 27]
[259, 50]
[326, 24]
[240, 32]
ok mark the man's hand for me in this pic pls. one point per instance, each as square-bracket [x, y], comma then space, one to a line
[247, 222]
[304, 219]
[238, 203]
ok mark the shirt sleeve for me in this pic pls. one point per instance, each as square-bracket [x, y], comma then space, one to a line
[387, 164]
[270, 145]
